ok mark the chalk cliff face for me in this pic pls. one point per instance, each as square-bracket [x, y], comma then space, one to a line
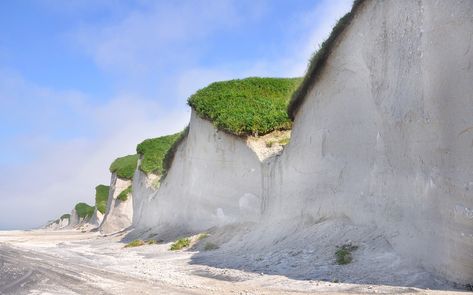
[75, 219]
[96, 218]
[385, 135]
[214, 180]
[119, 213]
[57, 224]
[144, 186]
[382, 142]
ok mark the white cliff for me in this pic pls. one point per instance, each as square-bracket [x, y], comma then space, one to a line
[144, 186]
[119, 213]
[380, 156]
[384, 136]
[214, 180]
[59, 223]
[96, 218]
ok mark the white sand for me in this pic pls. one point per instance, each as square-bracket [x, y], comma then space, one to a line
[70, 262]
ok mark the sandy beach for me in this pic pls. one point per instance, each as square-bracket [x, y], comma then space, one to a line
[73, 262]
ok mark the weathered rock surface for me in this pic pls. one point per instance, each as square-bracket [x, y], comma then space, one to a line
[382, 144]
[119, 214]
[385, 135]
[214, 180]
[144, 186]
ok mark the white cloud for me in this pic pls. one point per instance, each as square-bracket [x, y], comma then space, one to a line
[315, 25]
[155, 34]
[296, 49]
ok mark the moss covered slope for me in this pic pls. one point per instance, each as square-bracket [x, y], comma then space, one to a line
[125, 166]
[153, 151]
[248, 106]
[319, 58]
[101, 197]
[169, 157]
[84, 211]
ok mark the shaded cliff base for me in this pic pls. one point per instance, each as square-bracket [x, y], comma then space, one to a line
[304, 252]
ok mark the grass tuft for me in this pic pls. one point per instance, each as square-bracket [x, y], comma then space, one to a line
[343, 253]
[125, 166]
[123, 196]
[153, 152]
[83, 210]
[101, 197]
[135, 243]
[138, 243]
[252, 106]
[319, 59]
[180, 244]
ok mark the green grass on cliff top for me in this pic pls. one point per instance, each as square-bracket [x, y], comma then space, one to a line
[101, 197]
[84, 210]
[246, 107]
[153, 152]
[125, 166]
[64, 216]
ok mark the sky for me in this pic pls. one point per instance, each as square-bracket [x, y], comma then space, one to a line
[82, 82]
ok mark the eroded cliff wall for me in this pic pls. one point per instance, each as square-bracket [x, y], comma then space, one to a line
[119, 213]
[214, 180]
[385, 135]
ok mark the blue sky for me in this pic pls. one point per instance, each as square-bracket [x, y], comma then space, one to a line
[84, 81]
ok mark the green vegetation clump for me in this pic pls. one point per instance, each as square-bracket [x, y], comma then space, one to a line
[153, 152]
[180, 244]
[169, 157]
[123, 196]
[125, 166]
[252, 106]
[66, 216]
[84, 211]
[101, 197]
[135, 243]
[138, 243]
[319, 59]
[343, 253]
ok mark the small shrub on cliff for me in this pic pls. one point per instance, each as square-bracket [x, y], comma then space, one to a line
[66, 216]
[343, 253]
[180, 244]
[246, 107]
[125, 166]
[101, 197]
[84, 211]
[153, 152]
[123, 196]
